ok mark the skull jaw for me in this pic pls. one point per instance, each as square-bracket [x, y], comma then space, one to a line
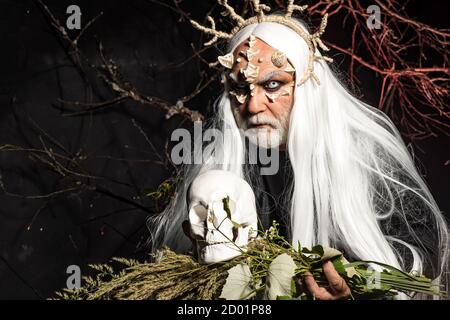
[213, 253]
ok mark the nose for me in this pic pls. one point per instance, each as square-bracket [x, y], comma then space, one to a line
[256, 102]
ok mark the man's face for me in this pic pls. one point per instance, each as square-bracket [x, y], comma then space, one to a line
[262, 84]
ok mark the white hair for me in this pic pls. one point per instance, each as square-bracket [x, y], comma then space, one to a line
[355, 185]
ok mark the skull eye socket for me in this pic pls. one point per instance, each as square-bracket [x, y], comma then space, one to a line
[197, 218]
[219, 211]
[232, 205]
[199, 213]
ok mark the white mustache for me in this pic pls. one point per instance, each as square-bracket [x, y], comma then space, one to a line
[260, 119]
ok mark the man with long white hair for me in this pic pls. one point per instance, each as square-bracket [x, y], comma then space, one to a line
[354, 185]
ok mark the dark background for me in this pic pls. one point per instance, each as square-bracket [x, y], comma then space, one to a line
[40, 237]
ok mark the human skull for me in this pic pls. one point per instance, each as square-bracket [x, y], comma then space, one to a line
[217, 237]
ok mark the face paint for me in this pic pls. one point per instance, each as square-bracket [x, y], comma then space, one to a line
[268, 93]
[251, 51]
[226, 60]
[251, 41]
[272, 96]
[289, 68]
[250, 72]
[239, 97]
[278, 59]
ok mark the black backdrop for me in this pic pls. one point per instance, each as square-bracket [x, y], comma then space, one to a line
[40, 237]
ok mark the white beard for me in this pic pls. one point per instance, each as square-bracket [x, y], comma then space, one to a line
[264, 137]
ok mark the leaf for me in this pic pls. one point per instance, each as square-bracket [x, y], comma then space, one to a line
[284, 298]
[227, 209]
[293, 288]
[238, 284]
[339, 266]
[339, 261]
[351, 271]
[317, 250]
[279, 277]
[226, 206]
[330, 253]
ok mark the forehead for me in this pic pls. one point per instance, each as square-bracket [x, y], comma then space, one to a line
[258, 43]
[262, 59]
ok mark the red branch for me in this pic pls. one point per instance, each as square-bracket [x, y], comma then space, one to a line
[413, 93]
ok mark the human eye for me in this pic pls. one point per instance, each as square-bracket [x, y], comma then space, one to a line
[272, 85]
[239, 86]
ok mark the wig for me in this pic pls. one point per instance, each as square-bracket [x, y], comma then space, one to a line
[354, 186]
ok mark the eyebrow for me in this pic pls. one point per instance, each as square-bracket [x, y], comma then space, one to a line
[266, 78]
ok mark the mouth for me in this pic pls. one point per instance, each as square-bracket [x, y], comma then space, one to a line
[260, 126]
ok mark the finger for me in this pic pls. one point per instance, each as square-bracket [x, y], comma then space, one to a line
[314, 289]
[336, 282]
